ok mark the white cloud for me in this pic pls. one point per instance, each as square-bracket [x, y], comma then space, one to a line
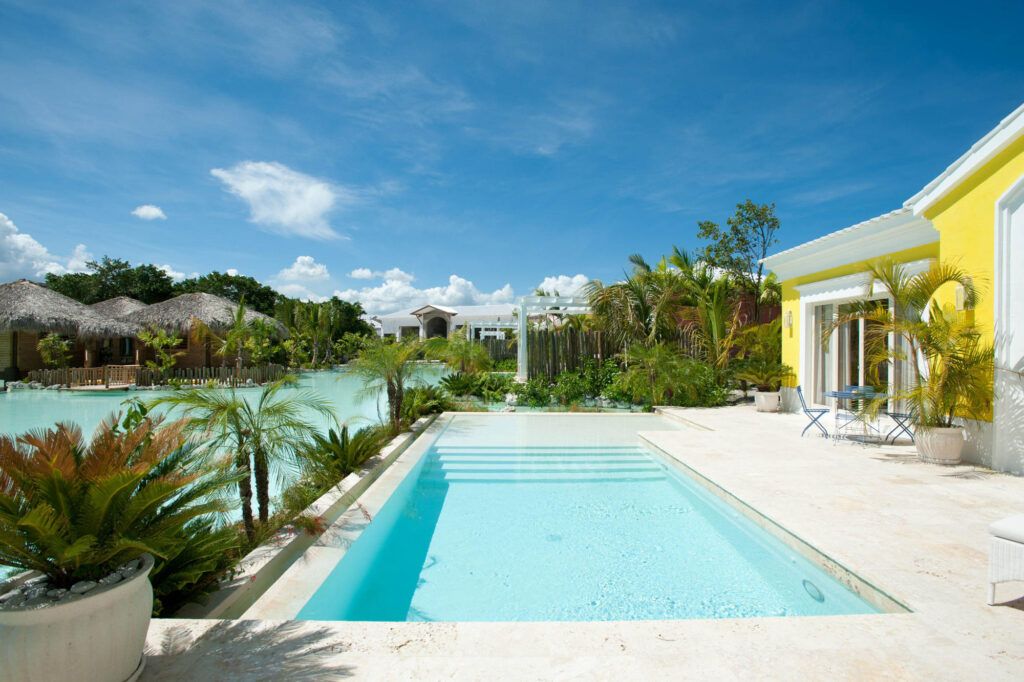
[232, 272]
[22, 256]
[149, 212]
[172, 273]
[305, 268]
[300, 292]
[392, 274]
[284, 200]
[397, 292]
[564, 284]
[361, 273]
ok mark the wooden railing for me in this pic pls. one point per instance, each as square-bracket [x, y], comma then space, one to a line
[200, 376]
[124, 375]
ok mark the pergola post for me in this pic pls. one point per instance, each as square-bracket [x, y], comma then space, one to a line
[521, 348]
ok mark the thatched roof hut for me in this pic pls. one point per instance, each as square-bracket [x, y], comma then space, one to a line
[30, 307]
[179, 313]
[119, 306]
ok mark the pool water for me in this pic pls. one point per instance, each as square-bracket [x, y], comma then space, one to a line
[23, 410]
[564, 518]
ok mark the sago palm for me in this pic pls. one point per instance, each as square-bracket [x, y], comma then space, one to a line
[76, 509]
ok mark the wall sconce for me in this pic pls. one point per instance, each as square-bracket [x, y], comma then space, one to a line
[787, 319]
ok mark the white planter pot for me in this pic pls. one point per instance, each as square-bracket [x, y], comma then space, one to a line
[939, 445]
[767, 401]
[98, 638]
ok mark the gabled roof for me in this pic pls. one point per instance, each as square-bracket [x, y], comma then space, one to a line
[427, 308]
[873, 238]
[463, 311]
[981, 152]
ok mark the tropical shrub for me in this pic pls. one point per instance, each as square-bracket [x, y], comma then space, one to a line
[461, 383]
[55, 350]
[459, 352]
[504, 365]
[536, 392]
[569, 388]
[75, 510]
[161, 344]
[493, 387]
[423, 400]
[330, 457]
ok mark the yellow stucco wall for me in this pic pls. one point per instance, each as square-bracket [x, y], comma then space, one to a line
[965, 219]
[791, 298]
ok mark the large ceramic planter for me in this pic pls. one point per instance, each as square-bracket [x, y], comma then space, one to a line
[98, 638]
[939, 445]
[766, 401]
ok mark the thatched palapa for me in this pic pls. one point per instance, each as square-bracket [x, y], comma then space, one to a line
[179, 314]
[28, 306]
[119, 306]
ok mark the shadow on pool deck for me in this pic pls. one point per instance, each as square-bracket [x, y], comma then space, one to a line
[248, 650]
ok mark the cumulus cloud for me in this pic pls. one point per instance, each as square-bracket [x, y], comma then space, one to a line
[564, 284]
[361, 273]
[397, 292]
[172, 273]
[305, 268]
[232, 272]
[283, 200]
[300, 292]
[149, 212]
[393, 273]
[22, 256]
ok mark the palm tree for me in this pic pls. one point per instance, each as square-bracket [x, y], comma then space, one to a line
[260, 437]
[950, 368]
[387, 366]
[232, 341]
[639, 309]
[459, 352]
[662, 368]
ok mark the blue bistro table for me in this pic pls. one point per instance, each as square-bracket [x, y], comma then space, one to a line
[843, 421]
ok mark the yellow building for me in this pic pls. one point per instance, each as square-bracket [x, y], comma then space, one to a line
[972, 215]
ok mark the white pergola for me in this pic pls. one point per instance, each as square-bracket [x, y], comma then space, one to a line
[543, 305]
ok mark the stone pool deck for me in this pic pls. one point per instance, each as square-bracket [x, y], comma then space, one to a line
[915, 530]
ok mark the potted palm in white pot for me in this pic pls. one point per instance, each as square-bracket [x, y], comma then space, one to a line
[762, 366]
[84, 521]
[950, 368]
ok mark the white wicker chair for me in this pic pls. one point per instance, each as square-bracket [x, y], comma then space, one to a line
[1006, 554]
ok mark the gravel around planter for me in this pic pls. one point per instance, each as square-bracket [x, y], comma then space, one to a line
[38, 593]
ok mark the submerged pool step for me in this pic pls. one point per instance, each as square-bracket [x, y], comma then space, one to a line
[581, 476]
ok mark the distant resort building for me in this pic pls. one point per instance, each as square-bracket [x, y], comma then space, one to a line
[971, 215]
[432, 320]
[106, 333]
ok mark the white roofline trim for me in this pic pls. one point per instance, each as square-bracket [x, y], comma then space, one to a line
[980, 153]
[895, 231]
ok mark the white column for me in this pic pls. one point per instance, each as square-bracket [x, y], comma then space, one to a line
[521, 350]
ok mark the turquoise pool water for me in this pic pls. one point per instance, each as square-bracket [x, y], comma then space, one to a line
[26, 409]
[564, 518]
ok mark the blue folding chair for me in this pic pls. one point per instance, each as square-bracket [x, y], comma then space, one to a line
[902, 420]
[813, 413]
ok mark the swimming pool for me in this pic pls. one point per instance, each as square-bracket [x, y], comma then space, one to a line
[564, 518]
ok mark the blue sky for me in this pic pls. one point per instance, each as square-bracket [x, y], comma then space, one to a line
[464, 152]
